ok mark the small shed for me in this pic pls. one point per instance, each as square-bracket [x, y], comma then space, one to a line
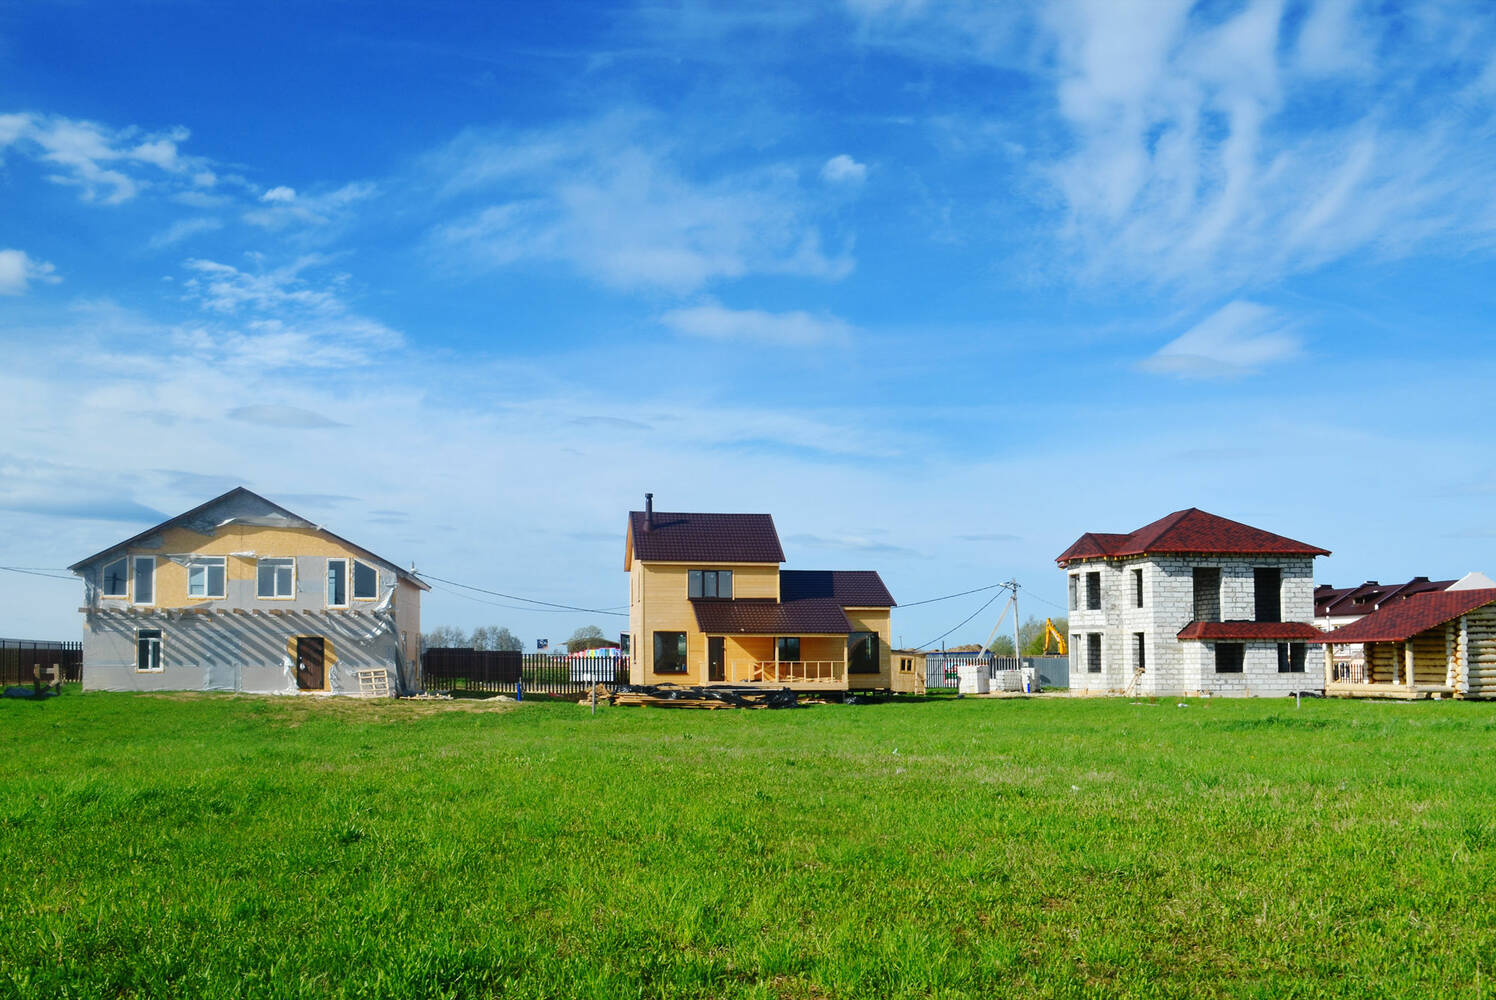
[1437, 644]
[907, 675]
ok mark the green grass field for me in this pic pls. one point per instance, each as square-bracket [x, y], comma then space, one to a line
[235, 846]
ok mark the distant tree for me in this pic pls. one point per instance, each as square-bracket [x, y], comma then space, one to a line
[1030, 638]
[444, 637]
[494, 637]
[1001, 646]
[588, 637]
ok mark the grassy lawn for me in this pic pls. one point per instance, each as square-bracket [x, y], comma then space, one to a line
[236, 846]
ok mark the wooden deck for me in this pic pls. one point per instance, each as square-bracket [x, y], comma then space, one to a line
[1350, 689]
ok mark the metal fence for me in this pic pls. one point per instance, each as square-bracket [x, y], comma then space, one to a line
[19, 659]
[503, 672]
[942, 669]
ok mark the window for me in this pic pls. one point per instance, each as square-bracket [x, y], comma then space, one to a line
[365, 582]
[787, 649]
[670, 653]
[1229, 657]
[709, 583]
[114, 579]
[1139, 651]
[1207, 593]
[862, 653]
[1093, 653]
[277, 578]
[1291, 656]
[206, 576]
[1093, 591]
[906, 664]
[1137, 588]
[1267, 593]
[145, 579]
[337, 583]
[148, 650]
[1074, 591]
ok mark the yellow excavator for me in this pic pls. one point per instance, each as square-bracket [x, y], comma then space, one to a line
[1050, 632]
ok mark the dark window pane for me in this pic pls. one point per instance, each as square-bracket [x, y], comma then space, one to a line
[145, 580]
[724, 583]
[115, 583]
[709, 584]
[1229, 657]
[1267, 592]
[1093, 591]
[1137, 584]
[670, 652]
[862, 653]
[365, 581]
[693, 583]
[1093, 653]
[788, 647]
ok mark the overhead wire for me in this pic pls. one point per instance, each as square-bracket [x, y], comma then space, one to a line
[927, 645]
[37, 572]
[526, 600]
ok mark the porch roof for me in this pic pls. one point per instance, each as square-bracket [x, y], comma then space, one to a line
[1401, 620]
[1262, 631]
[749, 616]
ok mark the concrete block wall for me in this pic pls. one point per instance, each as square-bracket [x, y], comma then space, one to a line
[1175, 667]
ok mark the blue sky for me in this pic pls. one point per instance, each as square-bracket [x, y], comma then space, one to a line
[941, 286]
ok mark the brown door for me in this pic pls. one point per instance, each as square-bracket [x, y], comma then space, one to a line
[716, 668]
[311, 669]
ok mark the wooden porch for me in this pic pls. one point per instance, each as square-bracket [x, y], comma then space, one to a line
[755, 660]
[1387, 689]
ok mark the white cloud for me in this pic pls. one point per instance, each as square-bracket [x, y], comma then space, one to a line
[842, 169]
[788, 329]
[284, 207]
[614, 199]
[18, 270]
[102, 162]
[1238, 339]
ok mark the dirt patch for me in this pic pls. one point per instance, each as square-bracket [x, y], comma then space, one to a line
[292, 710]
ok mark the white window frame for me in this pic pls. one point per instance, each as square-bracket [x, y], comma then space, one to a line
[353, 577]
[160, 648]
[277, 596]
[125, 576]
[347, 583]
[206, 563]
[135, 562]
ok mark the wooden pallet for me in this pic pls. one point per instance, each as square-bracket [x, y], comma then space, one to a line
[373, 683]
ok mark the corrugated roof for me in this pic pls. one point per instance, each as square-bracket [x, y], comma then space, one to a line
[813, 616]
[850, 588]
[1191, 531]
[1401, 620]
[706, 538]
[1262, 631]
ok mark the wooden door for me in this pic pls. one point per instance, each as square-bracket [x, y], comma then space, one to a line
[311, 665]
[716, 666]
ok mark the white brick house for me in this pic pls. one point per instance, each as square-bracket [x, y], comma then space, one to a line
[1191, 604]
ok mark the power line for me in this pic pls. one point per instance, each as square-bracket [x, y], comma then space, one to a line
[947, 597]
[512, 607]
[968, 618]
[527, 600]
[36, 572]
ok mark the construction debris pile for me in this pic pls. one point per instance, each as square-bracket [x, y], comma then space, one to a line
[671, 696]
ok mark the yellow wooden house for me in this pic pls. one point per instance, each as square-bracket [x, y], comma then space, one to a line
[709, 604]
[241, 594]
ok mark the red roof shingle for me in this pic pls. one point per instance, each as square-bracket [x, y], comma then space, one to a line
[813, 616]
[706, 538]
[1266, 631]
[1334, 601]
[849, 588]
[1193, 532]
[1401, 620]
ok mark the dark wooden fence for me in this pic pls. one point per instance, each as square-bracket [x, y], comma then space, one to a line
[502, 672]
[20, 657]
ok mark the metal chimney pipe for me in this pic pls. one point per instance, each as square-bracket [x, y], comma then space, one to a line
[649, 511]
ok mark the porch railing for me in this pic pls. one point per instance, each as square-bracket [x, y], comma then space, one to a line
[787, 671]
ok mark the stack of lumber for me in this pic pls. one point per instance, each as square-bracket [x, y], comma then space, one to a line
[671, 696]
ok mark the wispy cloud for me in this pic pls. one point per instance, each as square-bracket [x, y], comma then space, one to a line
[281, 415]
[712, 321]
[283, 207]
[616, 199]
[1238, 339]
[108, 165]
[19, 269]
[184, 229]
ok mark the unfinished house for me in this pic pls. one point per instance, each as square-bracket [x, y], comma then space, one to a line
[709, 604]
[1433, 644]
[241, 594]
[1191, 604]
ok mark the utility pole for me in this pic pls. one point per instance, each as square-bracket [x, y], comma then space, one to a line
[1017, 652]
